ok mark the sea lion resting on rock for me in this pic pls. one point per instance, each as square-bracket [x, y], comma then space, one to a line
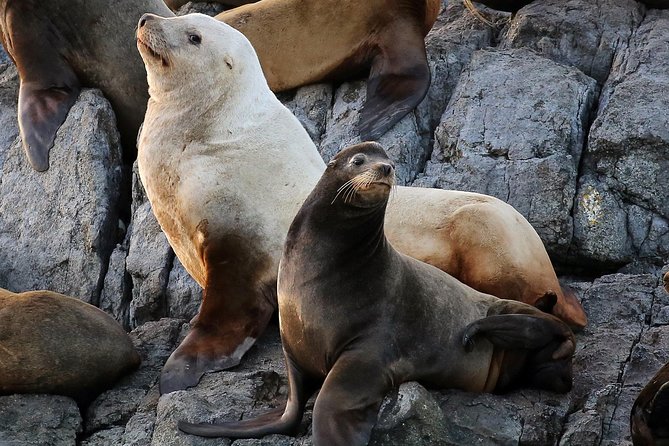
[226, 166]
[649, 419]
[51, 343]
[361, 318]
[302, 42]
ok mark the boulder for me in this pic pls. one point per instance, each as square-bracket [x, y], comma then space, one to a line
[59, 227]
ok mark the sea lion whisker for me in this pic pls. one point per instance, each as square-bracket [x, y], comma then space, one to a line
[341, 189]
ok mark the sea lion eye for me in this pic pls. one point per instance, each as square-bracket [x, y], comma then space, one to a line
[358, 160]
[194, 39]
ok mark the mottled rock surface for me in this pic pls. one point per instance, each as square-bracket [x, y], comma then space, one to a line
[38, 420]
[58, 228]
[559, 109]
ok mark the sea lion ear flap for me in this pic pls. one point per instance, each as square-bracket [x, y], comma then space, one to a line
[398, 80]
[41, 113]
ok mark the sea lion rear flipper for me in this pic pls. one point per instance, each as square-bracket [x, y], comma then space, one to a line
[41, 113]
[49, 86]
[398, 80]
[516, 331]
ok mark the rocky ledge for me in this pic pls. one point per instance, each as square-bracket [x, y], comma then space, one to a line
[559, 110]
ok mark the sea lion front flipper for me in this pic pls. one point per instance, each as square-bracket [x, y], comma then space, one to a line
[398, 80]
[348, 404]
[520, 331]
[41, 113]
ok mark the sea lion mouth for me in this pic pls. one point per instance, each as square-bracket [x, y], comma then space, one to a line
[364, 182]
[151, 52]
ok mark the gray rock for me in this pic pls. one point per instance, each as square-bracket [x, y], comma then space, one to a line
[310, 104]
[38, 420]
[627, 156]
[409, 416]
[402, 142]
[117, 289]
[583, 34]
[4, 58]
[58, 228]
[514, 129]
[455, 36]
[9, 97]
[149, 262]
[109, 437]
[183, 293]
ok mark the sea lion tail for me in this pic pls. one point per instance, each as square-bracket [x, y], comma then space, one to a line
[277, 421]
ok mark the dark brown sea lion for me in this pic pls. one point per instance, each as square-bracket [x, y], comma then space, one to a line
[60, 46]
[229, 234]
[301, 42]
[51, 343]
[649, 420]
[361, 318]
[665, 281]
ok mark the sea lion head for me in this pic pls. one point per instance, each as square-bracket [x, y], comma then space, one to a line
[198, 53]
[361, 176]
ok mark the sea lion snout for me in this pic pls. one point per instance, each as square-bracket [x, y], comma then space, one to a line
[145, 18]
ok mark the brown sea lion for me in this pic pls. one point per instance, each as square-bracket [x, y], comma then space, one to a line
[360, 318]
[226, 166]
[649, 419]
[51, 343]
[665, 281]
[61, 46]
[301, 42]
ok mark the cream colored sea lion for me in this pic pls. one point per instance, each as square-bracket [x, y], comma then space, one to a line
[51, 343]
[226, 167]
[359, 318]
[301, 42]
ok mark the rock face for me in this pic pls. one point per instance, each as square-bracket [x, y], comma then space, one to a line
[57, 228]
[559, 109]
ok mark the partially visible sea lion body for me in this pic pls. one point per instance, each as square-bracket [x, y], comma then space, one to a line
[301, 42]
[60, 46]
[226, 167]
[360, 318]
[649, 419]
[51, 343]
[665, 281]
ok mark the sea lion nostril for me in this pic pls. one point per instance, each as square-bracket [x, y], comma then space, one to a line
[387, 169]
[145, 18]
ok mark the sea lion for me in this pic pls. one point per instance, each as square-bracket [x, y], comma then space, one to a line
[665, 281]
[649, 419]
[360, 318]
[51, 343]
[226, 167]
[301, 42]
[61, 46]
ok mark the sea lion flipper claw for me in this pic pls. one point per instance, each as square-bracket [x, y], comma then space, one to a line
[398, 81]
[41, 113]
